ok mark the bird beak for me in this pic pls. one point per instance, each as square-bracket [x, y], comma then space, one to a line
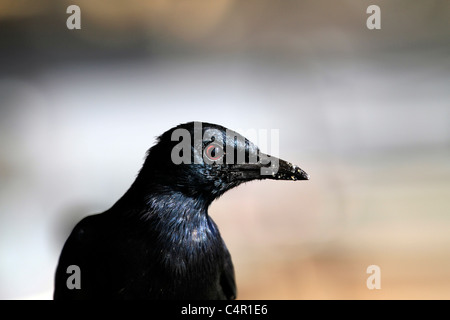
[278, 169]
[268, 167]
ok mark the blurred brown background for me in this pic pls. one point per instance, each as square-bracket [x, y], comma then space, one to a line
[365, 112]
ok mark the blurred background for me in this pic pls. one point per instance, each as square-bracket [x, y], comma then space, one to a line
[365, 112]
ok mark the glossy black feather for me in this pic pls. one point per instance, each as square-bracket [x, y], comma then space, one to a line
[158, 241]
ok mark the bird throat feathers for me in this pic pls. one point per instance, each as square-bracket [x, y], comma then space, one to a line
[180, 219]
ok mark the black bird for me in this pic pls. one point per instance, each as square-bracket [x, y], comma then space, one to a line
[158, 241]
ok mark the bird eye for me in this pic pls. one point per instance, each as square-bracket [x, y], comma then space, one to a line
[213, 152]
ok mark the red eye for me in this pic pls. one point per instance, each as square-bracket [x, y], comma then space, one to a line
[213, 152]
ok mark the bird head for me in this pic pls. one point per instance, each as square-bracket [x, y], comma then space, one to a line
[205, 160]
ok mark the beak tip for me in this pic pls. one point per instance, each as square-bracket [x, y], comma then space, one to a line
[304, 175]
[301, 175]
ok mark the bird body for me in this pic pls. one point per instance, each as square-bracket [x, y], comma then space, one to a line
[158, 241]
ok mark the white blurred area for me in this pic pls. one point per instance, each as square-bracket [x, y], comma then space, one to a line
[371, 127]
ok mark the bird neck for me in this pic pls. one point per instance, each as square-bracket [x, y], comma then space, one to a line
[160, 202]
[176, 205]
[175, 223]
